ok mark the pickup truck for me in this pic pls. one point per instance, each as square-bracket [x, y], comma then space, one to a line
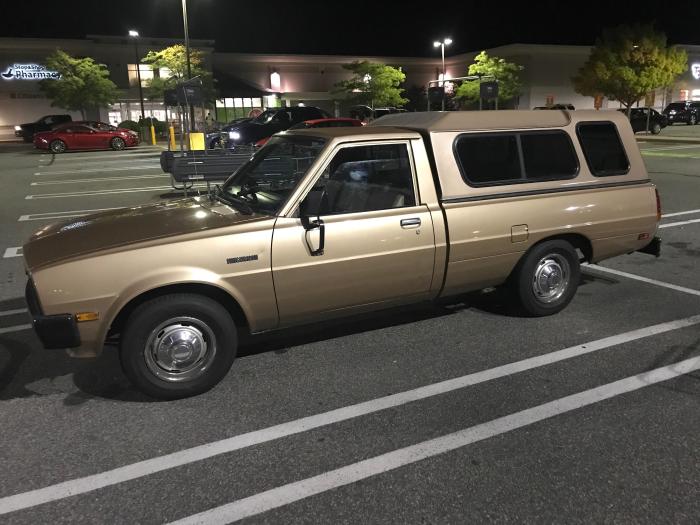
[330, 222]
[45, 123]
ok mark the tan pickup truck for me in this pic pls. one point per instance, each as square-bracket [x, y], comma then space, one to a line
[331, 222]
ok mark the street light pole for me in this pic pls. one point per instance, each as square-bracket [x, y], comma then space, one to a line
[135, 35]
[445, 42]
[187, 54]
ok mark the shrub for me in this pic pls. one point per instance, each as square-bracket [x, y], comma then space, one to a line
[129, 124]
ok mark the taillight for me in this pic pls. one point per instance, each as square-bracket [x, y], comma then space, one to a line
[658, 205]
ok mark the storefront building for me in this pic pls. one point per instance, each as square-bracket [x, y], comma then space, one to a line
[248, 82]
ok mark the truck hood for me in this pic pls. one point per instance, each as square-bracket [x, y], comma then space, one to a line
[93, 233]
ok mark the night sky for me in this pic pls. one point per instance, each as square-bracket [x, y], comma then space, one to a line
[351, 27]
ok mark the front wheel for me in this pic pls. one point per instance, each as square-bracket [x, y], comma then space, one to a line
[656, 129]
[178, 345]
[692, 120]
[57, 146]
[545, 280]
[117, 144]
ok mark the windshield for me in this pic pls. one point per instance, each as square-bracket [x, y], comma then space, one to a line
[265, 182]
[265, 116]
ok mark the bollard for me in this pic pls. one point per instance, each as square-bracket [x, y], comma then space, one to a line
[172, 138]
[153, 135]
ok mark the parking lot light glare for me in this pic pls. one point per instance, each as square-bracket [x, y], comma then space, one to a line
[437, 44]
[133, 33]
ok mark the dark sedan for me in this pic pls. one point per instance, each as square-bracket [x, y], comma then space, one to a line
[640, 118]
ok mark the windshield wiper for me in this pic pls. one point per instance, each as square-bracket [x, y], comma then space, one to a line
[234, 201]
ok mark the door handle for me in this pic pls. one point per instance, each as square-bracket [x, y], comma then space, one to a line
[410, 223]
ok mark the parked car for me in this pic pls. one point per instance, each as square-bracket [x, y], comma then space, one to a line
[319, 123]
[569, 107]
[687, 112]
[640, 117]
[324, 223]
[46, 123]
[218, 138]
[366, 113]
[269, 122]
[81, 136]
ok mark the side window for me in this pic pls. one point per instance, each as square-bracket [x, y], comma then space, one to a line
[548, 156]
[488, 159]
[368, 178]
[603, 148]
[513, 158]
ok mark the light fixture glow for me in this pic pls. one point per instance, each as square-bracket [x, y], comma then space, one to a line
[448, 41]
[133, 32]
[275, 81]
[437, 44]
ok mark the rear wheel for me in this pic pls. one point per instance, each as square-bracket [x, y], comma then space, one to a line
[178, 345]
[692, 120]
[656, 128]
[117, 144]
[546, 279]
[57, 146]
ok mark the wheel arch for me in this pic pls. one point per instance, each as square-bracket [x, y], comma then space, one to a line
[211, 291]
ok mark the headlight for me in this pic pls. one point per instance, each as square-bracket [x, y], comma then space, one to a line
[18, 128]
[672, 112]
[234, 135]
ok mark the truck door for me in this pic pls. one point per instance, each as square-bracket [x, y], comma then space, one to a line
[378, 242]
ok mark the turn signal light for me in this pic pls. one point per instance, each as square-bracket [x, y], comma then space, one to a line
[87, 316]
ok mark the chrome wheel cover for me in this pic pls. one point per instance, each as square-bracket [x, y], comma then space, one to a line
[180, 349]
[118, 143]
[58, 146]
[551, 278]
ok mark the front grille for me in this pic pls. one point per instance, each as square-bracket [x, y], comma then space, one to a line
[32, 298]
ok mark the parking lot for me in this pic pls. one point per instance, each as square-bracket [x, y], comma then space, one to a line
[451, 413]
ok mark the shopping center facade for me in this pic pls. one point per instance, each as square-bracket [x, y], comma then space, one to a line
[245, 81]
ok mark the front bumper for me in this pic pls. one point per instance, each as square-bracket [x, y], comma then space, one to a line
[54, 331]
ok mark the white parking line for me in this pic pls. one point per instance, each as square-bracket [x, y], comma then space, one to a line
[147, 467]
[675, 224]
[643, 279]
[13, 312]
[96, 192]
[687, 212]
[684, 146]
[99, 179]
[98, 169]
[286, 494]
[60, 214]
[11, 329]
[15, 251]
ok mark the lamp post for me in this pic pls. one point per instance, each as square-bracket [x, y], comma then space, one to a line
[187, 54]
[135, 35]
[441, 45]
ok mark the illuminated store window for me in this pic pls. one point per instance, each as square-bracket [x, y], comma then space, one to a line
[695, 94]
[146, 74]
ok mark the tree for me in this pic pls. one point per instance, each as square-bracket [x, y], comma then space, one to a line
[373, 84]
[84, 84]
[627, 62]
[172, 65]
[507, 74]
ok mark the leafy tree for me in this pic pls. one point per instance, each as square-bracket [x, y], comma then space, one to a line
[506, 73]
[627, 62]
[174, 59]
[373, 84]
[84, 84]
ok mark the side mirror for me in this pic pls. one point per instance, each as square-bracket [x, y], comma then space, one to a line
[315, 203]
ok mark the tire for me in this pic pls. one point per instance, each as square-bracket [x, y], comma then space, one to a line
[546, 278]
[655, 128]
[207, 340]
[117, 144]
[217, 144]
[57, 146]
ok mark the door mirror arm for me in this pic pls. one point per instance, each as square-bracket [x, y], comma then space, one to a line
[315, 202]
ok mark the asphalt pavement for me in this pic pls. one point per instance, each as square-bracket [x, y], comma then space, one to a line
[451, 413]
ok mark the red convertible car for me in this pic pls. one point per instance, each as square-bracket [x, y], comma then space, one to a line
[84, 136]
